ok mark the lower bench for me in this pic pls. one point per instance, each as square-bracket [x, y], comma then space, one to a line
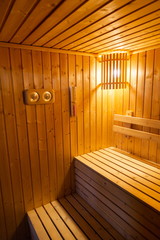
[124, 190]
[69, 218]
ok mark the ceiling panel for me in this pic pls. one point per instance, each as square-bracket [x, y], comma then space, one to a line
[80, 25]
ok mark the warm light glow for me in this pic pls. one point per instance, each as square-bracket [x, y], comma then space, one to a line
[116, 73]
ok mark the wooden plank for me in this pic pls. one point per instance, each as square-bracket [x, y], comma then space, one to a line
[73, 120]
[98, 217]
[3, 231]
[129, 30]
[5, 173]
[44, 49]
[139, 98]
[140, 161]
[114, 214]
[92, 105]
[143, 170]
[85, 15]
[147, 99]
[18, 13]
[98, 108]
[129, 41]
[125, 107]
[21, 127]
[50, 127]
[104, 105]
[124, 184]
[60, 225]
[84, 8]
[121, 17]
[36, 17]
[86, 102]
[69, 221]
[146, 49]
[123, 202]
[153, 39]
[4, 11]
[58, 123]
[146, 122]
[136, 133]
[50, 228]
[53, 19]
[156, 87]
[122, 198]
[155, 111]
[82, 223]
[133, 178]
[32, 129]
[65, 122]
[41, 128]
[12, 142]
[132, 98]
[80, 108]
[38, 231]
[130, 171]
[90, 219]
[98, 202]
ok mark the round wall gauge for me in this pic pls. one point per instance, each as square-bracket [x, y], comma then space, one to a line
[34, 96]
[47, 96]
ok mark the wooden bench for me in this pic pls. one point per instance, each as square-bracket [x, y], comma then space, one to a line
[129, 121]
[123, 190]
[69, 218]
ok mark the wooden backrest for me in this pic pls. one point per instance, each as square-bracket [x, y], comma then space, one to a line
[145, 122]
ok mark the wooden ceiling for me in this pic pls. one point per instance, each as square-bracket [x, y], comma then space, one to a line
[92, 26]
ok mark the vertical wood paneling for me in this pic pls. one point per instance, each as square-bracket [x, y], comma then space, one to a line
[144, 100]
[50, 128]
[157, 95]
[38, 143]
[58, 124]
[80, 111]
[5, 172]
[41, 127]
[65, 121]
[73, 120]
[92, 109]
[12, 141]
[32, 129]
[148, 98]
[86, 103]
[3, 233]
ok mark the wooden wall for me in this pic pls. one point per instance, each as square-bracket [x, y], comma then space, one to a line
[143, 98]
[37, 142]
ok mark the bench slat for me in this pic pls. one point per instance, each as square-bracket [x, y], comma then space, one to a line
[37, 229]
[107, 172]
[50, 227]
[146, 122]
[84, 213]
[136, 133]
[70, 223]
[79, 220]
[60, 225]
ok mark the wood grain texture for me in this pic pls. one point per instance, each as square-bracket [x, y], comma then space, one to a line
[143, 99]
[38, 142]
[107, 192]
[81, 25]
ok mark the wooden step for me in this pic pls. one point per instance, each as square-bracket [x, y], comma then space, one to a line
[69, 218]
[123, 189]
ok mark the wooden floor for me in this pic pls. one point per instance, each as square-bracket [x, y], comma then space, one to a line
[70, 218]
[124, 190]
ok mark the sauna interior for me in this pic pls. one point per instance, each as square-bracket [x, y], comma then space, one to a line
[101, 60]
